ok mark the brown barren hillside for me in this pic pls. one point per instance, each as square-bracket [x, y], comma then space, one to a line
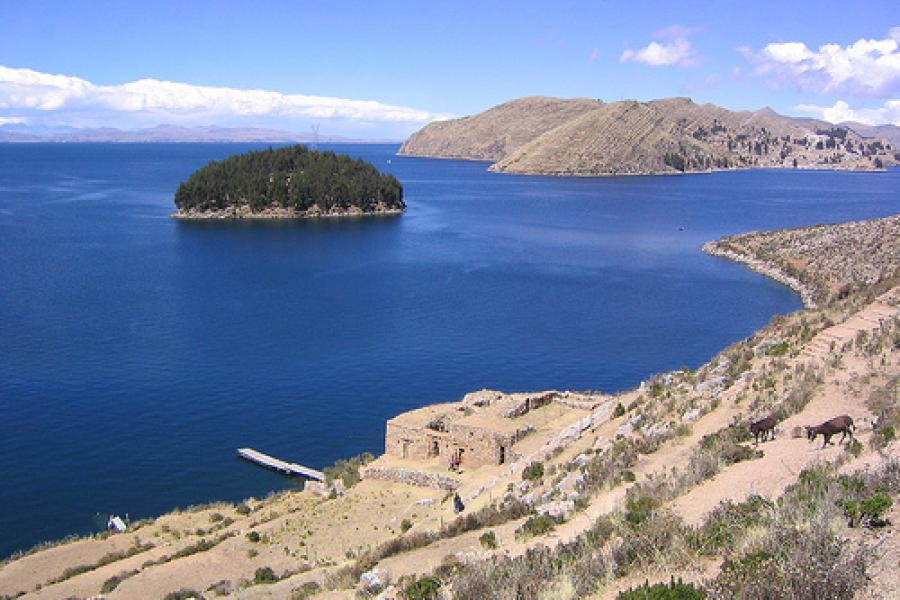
[495, 133]
[549, 136]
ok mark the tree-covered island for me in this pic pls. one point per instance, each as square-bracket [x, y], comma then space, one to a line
[291, 182]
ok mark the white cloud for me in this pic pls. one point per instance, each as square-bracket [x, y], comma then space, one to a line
[12, 120]
[889, 112]
[153, 101]
[595, 54]
[864, 68]
[677, 50]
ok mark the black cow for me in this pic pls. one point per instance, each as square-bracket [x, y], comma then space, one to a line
[763, 428]
[843, 424]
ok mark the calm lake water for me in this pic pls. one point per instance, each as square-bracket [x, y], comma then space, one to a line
[137, 353]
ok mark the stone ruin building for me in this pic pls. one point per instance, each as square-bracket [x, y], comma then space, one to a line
[481, 429]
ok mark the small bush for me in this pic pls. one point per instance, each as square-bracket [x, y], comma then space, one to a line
[405, 525]
[184, 594]
[307, 590]
[113, 582]
[675, 590]
[488, 540]
[537, 525]
[264, 575]
[253, 536]
[874, 508]
[347, 471]
[639, 509]
[242, 509]
[806, 564]
[533, 472]
[779, 349]
[854, 448]
[618, 411]
[425, 588]
[884, 436]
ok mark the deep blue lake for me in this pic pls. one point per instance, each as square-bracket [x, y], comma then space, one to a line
[137, 353]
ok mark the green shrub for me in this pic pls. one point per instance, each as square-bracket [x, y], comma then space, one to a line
[347, 471]
[265, 575]
[874, 507]
[113, 582]
[537, 525]
[854, 448]
[675, 590]
[884, 436]
[618, 411]
[779, 349]
[802, 564]
[425, 588]
[307, 590]
[488, 540]
[728, 521]
[639, 509]
[184, 594]
[253, 536]
[533, 472]
[405, 525]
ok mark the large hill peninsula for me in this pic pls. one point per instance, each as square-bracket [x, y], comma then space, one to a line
[581, 136]
[288, 183]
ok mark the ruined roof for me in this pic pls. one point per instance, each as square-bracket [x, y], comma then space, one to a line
[494, 411]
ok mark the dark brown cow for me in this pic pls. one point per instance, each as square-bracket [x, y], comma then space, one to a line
[843, 424]
[763, 427]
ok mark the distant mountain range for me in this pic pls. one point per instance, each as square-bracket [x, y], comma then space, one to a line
[167, 133]
[552, 136]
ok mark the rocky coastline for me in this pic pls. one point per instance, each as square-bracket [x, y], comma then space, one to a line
[807, 293]
[279, 213]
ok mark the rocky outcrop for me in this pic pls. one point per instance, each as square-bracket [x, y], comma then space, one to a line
[314, 212]
[550, 136]
[821, 262]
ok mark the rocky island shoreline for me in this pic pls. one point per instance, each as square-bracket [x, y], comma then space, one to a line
[582, 494]
[274, 213]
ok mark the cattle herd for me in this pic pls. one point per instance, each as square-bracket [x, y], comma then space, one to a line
[765, 429]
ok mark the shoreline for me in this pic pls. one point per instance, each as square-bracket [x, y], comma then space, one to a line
[244, 213]
[807, 294]
[808, 167]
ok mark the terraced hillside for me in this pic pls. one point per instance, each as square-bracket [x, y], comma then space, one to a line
[657, 482]
[550, 136]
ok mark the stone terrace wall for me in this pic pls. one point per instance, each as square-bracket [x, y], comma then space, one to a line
[411, 477]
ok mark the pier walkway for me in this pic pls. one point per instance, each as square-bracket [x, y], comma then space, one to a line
[271, 462]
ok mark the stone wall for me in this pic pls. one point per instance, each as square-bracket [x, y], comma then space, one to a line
[411, 477]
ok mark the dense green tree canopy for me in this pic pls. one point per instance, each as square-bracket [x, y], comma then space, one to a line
[292, 178]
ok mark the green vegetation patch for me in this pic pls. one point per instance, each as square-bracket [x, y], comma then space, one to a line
[347, 471]
[674, 590]
[291, 178]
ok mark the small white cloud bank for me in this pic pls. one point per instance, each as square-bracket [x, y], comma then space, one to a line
[60, 99]
[675, 49]
[888, 113]
[863, 68]
[12, 120]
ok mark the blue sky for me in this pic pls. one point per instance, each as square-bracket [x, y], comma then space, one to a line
[383, 69]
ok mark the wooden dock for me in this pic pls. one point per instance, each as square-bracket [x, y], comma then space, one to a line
[271, 462]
